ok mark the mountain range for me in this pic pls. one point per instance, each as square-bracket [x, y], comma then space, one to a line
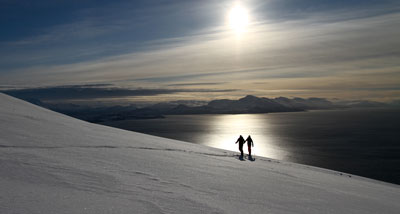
[246, 105]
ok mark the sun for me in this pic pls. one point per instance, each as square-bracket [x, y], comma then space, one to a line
[238, 18]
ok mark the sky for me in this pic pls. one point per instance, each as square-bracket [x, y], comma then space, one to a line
[336, 49]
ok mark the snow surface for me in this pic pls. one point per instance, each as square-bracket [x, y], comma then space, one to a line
[52, 163]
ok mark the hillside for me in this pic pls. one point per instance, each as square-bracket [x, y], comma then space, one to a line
[52, 163]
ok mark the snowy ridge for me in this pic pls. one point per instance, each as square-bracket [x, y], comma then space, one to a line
[51, 163]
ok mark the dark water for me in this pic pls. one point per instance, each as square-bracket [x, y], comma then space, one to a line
[364, 142]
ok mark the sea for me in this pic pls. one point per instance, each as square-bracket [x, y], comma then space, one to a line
[364, 142]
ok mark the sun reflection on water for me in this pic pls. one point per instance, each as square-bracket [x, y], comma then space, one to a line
[225, 129]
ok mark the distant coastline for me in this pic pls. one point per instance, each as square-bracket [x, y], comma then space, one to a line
[246, 105]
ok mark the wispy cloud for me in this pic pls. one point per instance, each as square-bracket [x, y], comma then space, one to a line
[310, 53]
[197, 84]
[94, 91]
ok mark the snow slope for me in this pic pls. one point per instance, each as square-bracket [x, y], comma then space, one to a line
[51, 163]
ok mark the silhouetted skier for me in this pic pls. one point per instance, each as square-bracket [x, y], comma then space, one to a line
[249, 144]
[241, 142]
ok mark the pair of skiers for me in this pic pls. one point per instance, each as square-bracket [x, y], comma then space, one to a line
[241, 141]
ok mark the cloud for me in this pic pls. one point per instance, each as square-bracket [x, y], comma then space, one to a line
[292, 49]
[96, 91]
[197, 84]
[289, 53]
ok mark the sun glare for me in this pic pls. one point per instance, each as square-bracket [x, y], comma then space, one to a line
[238, 19]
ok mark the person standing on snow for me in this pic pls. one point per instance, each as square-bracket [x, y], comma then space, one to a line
[249, 144]
[241, 141]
